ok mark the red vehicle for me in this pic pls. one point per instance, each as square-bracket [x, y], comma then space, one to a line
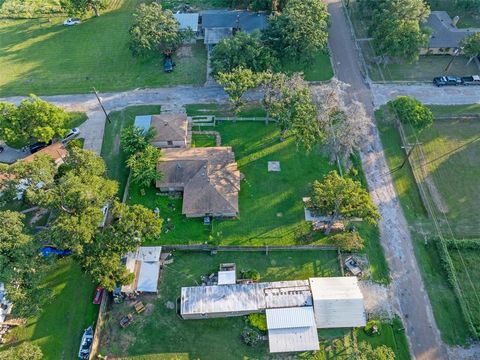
[97, 299]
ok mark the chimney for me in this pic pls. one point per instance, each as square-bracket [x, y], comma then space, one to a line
[455, 21]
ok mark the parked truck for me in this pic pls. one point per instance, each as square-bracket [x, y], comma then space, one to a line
[471, 80]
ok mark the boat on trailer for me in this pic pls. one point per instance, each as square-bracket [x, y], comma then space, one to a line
[86, 344]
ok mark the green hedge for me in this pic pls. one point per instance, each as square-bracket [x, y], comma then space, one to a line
[470, 244]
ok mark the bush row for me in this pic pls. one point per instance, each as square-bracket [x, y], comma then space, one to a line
[29, 9]
[470, 244]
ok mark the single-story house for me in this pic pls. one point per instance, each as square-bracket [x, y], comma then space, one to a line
[171, 130]
[208, 177]
[145, 265]
[217, 25]
[446, 38]
[294, 309]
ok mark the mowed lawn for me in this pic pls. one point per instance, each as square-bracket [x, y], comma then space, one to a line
[162, 334]
[271, 207]
[44, 57]
[59, 327]
[453, 175]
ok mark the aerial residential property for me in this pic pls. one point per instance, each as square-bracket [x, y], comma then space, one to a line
[248, 179]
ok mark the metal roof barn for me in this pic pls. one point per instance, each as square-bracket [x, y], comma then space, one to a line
[292, 329]
[145, 264]
[338, 302]
[240, 299]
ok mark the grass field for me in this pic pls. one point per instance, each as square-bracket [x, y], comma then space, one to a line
[58, 329]
[44, 57]
[320, 69]
[455, 178]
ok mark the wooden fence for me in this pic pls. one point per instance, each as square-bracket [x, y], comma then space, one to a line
[265, 248]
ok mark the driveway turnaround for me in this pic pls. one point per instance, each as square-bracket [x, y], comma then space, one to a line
[410, 298]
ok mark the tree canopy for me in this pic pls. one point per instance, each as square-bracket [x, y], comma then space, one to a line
[300, 30]
[471, 45]
[395, 26]
[32, 120]
[288, 100]
[20, 268]
[143, 166]
[133, 139]
[23, 351]
[367, 352]
[338, 196]
[236, 83]
[411, 111]
[155, 29]
[74, 7]
[242, 50]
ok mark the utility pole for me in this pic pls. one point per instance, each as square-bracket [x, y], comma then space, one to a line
[455, 54]
[406, 158]
[101, 105]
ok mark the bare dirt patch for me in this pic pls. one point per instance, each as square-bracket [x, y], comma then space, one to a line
[377, 299]
[185, 51]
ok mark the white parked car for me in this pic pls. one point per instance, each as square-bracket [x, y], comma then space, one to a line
[73, 133]
[72, 21]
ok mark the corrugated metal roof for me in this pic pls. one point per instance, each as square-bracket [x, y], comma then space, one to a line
[148, 277]
[295, 317]
[227, 277]
[293, 339]
[337, 302]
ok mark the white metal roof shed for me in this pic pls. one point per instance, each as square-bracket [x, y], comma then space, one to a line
[228, 277]
[292, 329]
[337, 302]
[148, 277]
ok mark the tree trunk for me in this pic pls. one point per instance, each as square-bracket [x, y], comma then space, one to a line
[15, 322]
[332, 220]
[95, 10]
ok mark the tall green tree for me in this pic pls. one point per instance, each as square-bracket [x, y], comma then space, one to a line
[236, 83]
[33, 120]
[242, 50]
[80, 7]
[336, 196]
[130, 226]
[300, 30]
[471, 46]
[411, 111]
[134, 139]
[396, 29]
[143, 166]
[20, 268]
[155, 30]
[288, 100]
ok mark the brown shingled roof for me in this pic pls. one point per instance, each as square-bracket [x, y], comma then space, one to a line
[57, 151]
[208, 176]
[170, 127]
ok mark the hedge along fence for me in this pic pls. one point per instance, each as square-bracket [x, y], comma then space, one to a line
[30, 9]
[449, 268]
[464, 244]
[210, 248]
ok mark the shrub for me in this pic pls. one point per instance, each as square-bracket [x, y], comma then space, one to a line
[252, 274]
[373, 327]
[348, 241]
[411, 111]
[250, 337]
[258, 321]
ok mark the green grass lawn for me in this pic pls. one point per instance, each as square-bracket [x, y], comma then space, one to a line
[320, 69]
[59, 327]
[201, 140]
[442, 297]
[45, 57]
[166, 336]
[111, 151]
[392, 334]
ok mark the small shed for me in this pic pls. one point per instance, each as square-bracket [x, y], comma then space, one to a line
[337, 302]
[292, 329]
[171, 130]
[187, 21]
[145, 265]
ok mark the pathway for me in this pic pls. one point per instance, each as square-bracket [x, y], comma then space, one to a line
[410, 298]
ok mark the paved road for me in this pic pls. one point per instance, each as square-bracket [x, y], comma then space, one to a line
[427, 93]
[411, 299]
[92, 130]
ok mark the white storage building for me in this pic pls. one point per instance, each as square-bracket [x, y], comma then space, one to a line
[145, 264]
[337, 302]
